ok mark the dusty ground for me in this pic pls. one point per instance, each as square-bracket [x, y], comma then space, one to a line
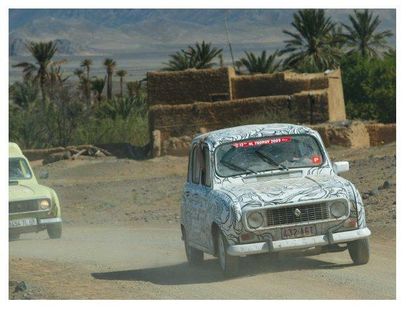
[121, 239]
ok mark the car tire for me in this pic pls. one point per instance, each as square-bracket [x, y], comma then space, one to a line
[193, 255]
[229, 264]
[359, 251]
[55, 230]
[14, 236]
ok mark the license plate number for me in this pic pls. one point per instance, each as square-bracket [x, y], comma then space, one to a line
[298, 231]
[23, 222]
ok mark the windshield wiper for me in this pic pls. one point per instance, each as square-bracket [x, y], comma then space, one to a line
[236, 167]
[269, 160]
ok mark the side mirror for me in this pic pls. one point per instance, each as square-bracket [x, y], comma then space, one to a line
[340, 167]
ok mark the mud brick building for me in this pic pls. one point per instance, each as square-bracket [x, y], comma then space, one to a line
[184, 103]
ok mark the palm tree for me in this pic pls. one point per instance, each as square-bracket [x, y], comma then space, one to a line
[56, 73]
[97, 85]
[203, 54]
[79, 73]
[43, 52]
[199, 56]
[86, 64]
[260, 64]
[361, 35]
[133, 88]
[121, 74]
[180, 61]
[312, 47]
[109, 66]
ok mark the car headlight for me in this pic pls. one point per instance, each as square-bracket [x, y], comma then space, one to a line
[255, 219]
[338, 209]
[44, 204]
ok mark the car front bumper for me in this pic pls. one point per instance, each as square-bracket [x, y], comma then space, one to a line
[297, 243]
[36, 225]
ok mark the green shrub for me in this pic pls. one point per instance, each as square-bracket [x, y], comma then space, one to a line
[369, 86]
[133, 130]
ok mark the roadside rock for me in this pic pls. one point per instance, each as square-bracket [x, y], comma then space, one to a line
[374, 192]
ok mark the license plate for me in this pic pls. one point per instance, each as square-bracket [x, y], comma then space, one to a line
[23, 222]
[298, 231]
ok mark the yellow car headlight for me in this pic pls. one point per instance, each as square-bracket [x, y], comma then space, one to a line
[44, 204]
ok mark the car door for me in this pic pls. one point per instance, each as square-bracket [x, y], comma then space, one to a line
[195, 197]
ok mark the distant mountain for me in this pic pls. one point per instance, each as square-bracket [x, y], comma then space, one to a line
[82, 31]
[18, 47]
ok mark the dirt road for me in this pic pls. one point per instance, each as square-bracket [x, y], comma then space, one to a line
[121, 240]
[139, 263]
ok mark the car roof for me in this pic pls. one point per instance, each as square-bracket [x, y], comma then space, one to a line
[14, 150]
[215, 138]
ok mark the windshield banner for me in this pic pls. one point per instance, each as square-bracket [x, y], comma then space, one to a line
[285, 139]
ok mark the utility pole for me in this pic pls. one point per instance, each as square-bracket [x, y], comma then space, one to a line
[227, 38]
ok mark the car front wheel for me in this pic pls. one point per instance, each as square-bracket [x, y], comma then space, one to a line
[229, 264]
[359, 251]
[55, 230]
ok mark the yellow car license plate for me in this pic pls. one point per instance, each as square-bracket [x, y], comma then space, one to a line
[22, 222]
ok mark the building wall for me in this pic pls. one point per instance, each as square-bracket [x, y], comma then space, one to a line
[284, 83]
[188, 86]
[181, 103]
[189, 119]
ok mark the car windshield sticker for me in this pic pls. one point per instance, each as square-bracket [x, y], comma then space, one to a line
[285, 139]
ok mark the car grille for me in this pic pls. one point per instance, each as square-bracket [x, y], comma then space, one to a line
[307, 213]
[23, 206]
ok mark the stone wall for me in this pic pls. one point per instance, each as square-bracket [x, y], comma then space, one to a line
[184, 103]
[188, 119]
[284, 83]
[189, 86]
[380, 134]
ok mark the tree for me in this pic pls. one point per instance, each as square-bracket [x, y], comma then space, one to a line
[260, 64]
[180, 61]
[313, 47]
[23, 94]
[79, 73]
[43, 52]
[133, 88]
[86, 64]
[109, 66]
[362, 35]
[203, 54]
[199, 56]
[97, 85]
[121, 74]
[369, 86]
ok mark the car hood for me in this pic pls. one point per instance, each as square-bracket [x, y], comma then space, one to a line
[291, 190]
[24, 191]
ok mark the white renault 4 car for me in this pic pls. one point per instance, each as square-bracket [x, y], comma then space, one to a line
[267, 188]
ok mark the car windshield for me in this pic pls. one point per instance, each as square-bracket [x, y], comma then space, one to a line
[18, 169]
[269, 153]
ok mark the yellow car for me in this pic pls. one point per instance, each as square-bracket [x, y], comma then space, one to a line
[32, 207]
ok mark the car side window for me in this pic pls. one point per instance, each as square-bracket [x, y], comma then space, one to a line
[206, 175]
[196, 165]
[189, 172]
